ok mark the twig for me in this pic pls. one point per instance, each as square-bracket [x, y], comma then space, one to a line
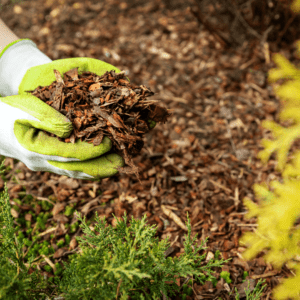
[242, 20]
[42, 199]
[265, 34]
[29, 248]
[287, 25]
[265, 45]
[118, 288]
[248, 63]
[208, 26]
[230, 136]
[191, 109]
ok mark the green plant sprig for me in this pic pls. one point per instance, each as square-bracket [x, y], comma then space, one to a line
[115, 263]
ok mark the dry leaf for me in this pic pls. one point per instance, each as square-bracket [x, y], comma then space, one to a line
[174, 217]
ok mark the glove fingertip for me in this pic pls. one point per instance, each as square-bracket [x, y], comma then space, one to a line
[116, 160]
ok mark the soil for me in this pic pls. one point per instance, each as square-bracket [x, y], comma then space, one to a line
[204, 159]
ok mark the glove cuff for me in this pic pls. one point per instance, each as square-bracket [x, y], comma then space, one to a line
[16, 58]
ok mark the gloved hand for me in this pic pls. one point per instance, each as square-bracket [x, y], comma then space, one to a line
[22, 115]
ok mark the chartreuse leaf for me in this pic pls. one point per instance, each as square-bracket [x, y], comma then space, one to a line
[275, 221]
[295, 7]
[284, 138]
[262, 192]
[282, 217]
[291, 113]
[289, 91]
[293, 169]
[285, 69]
[289, 288]
[253, 208]
[279, 209]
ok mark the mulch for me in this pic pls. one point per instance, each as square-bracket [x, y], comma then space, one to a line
[201, 161]
[106, 105]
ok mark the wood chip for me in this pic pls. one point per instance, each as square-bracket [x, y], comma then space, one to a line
[106, 105]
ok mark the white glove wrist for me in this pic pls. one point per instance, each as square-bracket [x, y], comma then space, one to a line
[14, 63]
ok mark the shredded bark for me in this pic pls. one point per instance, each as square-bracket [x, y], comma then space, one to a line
[107, 105]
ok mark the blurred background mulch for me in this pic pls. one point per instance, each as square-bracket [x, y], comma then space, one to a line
[208, 62]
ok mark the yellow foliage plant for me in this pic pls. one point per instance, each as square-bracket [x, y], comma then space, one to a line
[279, 209]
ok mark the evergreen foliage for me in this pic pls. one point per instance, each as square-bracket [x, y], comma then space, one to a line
[280, 206]
[114, 263]
[131, 260]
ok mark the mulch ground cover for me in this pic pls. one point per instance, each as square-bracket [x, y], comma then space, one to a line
[201, 161]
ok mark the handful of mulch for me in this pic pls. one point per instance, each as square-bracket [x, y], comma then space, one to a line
[106, 105]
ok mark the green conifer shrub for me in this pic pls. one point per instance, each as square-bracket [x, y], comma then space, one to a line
[279, 208]
[114, 263]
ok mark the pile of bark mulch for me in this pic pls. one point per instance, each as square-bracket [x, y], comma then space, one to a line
[203, 161]
[106, 105]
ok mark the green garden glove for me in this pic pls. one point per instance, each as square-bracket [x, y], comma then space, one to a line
[22, 115]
